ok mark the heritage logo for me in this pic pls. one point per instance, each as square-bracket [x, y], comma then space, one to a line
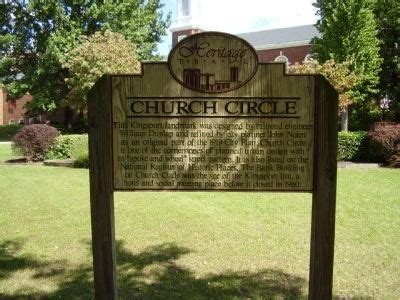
[213, 62]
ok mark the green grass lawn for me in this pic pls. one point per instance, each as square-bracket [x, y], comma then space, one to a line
[194, 245]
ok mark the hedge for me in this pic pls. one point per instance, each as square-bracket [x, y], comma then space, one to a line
[71, 146]
[353, 146]
[8, 131]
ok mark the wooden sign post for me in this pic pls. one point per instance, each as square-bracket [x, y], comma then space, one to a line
[213, 118]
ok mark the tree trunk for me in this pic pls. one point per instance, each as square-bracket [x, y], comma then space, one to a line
[67, 117]
[344, 119]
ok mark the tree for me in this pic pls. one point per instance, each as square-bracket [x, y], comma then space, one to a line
[349, 33]
[387, 13]
[108, 53]
[338, 74]
[35, 36]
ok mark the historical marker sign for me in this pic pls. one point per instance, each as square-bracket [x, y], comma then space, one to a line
[213, 118]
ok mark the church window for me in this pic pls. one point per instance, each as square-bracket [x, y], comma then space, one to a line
[282, 58]
[309, 59]
[181, 37]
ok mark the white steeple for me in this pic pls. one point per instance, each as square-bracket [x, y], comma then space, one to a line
[188, 15]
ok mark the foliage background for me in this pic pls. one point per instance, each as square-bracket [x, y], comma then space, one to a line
[100, 53]
[36, 36]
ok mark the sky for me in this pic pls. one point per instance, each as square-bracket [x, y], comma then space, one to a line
[238, 16]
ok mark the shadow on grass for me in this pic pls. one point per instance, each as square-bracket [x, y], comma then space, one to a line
[11, 262]
[152, 274]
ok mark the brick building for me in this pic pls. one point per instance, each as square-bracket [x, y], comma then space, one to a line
[12, 111]
[290, 45]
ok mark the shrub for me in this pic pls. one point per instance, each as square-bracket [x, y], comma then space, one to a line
[33, 141]
[61, 149]
[353, 146]
[71, 146]
[385, 143]
[80, 145]
[80, 150]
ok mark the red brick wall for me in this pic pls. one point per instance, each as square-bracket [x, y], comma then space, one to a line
[2, 98]
[12, 109]
[294, 54]
[182, 32]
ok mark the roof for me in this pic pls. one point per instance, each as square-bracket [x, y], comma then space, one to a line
[281, 37]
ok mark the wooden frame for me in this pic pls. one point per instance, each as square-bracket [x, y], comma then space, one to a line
[101, 190]
[324, 193]
[323, 186]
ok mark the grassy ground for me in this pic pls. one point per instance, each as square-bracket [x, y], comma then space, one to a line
[193, 245]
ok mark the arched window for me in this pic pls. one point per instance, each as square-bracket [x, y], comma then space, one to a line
[282, 58]
[309, 60]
